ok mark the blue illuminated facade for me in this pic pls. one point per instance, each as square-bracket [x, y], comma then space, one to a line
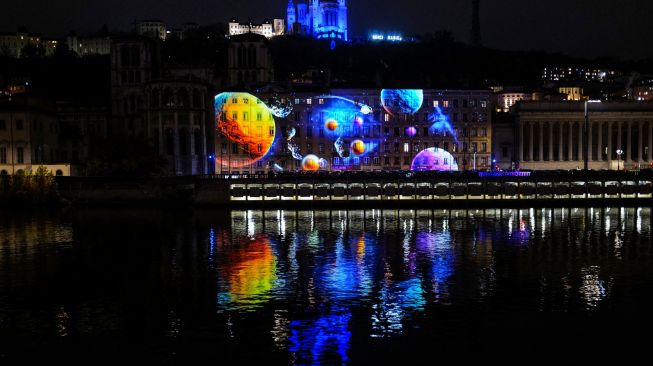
[322, 19]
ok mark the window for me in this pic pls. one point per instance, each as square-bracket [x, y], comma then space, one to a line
[309, 101]
[309, 132]
[483, 132]
[484, 147]
[234, 148]
[259, 148]
[445, 146]
[336, 161]
[504, 152]
[416, 147]
[19, 125]
[376, 161]
[386, 160]
[245, 115]
[246, 148]
[474, 147]
[445, 103]
[259, 116]
[406, 147]
[396, 131]
[386, 147]
[321, 132]
[426, 131]
[20, 158]
[3, 155]
[309, 147]
[320, 148]
[271, 131]
[386, 117]
[436, 104]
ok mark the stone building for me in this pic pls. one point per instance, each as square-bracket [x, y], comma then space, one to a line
[171, 109]
[550, 135]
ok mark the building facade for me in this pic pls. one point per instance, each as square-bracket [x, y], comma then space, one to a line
[170, 109]
[13, 44]
[155, 29]
[457, 123]
[550, 135]
[249, 61]
[29, 137]
[318, 18]
[179, 119]
[85, 46]
[267, 29]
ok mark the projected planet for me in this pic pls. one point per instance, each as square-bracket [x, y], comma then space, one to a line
[280, 107]
[331, 125]
[434, 159]
[411, 131]
[358, 147]
[398, 101]
[311, 163]
[243, 119]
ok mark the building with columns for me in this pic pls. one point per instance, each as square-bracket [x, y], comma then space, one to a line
[550, 135]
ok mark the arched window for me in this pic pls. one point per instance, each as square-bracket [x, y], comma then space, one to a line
[4, 172]
[198, 142]
[135, 56]
[251, 59]
[168, 98]
[182, 97]
[184, 142]
[197, 99]
[59, 173]
[154, 98]
[124, 56]
[170, 142]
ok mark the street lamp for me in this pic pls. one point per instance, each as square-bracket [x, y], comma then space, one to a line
[619, 153]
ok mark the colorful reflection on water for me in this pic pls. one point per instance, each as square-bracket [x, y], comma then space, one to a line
[324, 287]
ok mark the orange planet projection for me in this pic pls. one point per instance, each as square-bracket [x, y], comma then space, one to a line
[331, 125]
[311, 163]
[357, 147]
[245, 120]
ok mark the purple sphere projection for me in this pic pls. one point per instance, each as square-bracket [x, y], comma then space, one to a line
[411, 131]
[434, 159]
[398, 101]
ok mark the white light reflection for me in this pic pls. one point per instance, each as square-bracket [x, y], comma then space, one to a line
[592, 289]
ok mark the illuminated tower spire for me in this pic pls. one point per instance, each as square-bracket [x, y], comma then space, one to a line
[476, 24]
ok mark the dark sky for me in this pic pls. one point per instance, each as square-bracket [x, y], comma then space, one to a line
[588, 28]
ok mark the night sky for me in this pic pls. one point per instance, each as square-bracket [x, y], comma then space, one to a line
[587, 28]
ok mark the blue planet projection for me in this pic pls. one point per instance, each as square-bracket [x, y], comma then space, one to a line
[398, 101]
[440, 123]
[434, 159]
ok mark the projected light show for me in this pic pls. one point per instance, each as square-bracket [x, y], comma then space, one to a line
[398, 101]
[434, 159]
[243, 119]
[360, 130]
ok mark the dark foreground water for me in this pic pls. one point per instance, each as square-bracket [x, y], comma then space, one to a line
[320, 287]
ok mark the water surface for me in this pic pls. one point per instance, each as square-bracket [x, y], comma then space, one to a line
[323, 287]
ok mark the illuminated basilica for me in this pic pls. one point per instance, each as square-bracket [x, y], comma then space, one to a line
[318, 18]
